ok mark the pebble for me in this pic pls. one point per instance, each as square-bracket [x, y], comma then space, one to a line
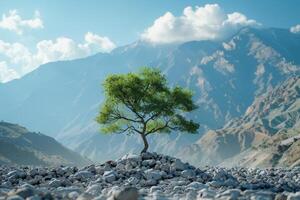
[148, 176]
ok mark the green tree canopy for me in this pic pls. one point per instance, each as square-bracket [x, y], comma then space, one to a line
[142, 103]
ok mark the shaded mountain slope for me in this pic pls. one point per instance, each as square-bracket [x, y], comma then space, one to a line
[19, 146]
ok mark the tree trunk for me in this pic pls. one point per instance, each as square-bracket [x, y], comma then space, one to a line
[146, 145]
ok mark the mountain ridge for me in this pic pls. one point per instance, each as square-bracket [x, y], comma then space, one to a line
[225, 76]
[271, 119]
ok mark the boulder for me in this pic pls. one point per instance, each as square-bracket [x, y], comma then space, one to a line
[83, 175]
[152, 174]
[178, 165]
[188, 173]
[128, 193]
[109, 176]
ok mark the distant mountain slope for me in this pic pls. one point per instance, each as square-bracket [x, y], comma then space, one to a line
[19, 146]
[61, 99]
[262, 133]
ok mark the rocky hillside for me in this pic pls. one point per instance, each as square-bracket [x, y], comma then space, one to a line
[267, 134]
[22, 147]
[61, 99]
[145, 177]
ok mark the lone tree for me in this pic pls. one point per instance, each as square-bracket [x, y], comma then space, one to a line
[142, 103]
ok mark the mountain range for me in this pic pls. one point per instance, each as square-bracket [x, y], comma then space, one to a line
[61, 99]
[264, 136]
[18, 146]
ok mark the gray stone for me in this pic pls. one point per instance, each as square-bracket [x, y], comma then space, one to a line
[25, 192]
[188, 173]
[85, 196]
[55, 183]
[64, 191]
[133, 180]
[128, 193]
[196, 185]
[150, 182]
[230, 194]
[83, 175]
[152, 174]
[178, 165]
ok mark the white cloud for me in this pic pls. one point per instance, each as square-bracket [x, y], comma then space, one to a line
[209, 22]
[97, 43]
[14, 22]
[7, 74]
[24, 60]
[295, 29]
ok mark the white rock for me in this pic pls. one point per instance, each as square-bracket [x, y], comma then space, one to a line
[155, 188]
[133, 180]
[109, 176]
[94, 190]
[14, 197]
[231, 194]
[206, 193]
[131, 157]
[295, 196]
[72, 195]
[17, 174]
[35, 197]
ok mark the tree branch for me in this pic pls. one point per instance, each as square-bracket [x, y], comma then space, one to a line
[153, 130]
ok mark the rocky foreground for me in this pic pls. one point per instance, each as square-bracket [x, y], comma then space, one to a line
[149, 176]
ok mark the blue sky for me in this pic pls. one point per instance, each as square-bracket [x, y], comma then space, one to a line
[94, 26]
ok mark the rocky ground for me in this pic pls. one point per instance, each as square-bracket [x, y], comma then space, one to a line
[149, 176]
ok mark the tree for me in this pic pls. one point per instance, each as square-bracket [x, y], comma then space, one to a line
[142, 103]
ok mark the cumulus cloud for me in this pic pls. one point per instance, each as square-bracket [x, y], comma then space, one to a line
[95, 42]
[14, 22]
[295, 29]
[209, 22]
[24, 60]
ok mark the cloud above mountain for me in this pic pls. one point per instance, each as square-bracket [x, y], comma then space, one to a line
[209, 22]
[20, 60]
[6, 73]
[14, 22]
[295, 29]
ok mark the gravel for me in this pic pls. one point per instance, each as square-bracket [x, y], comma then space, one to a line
[147, 176]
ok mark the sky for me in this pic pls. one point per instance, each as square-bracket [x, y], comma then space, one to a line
[34, 32]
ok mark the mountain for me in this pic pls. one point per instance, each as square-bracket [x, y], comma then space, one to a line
[266, 135]
[22, 147]
[62, 99]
